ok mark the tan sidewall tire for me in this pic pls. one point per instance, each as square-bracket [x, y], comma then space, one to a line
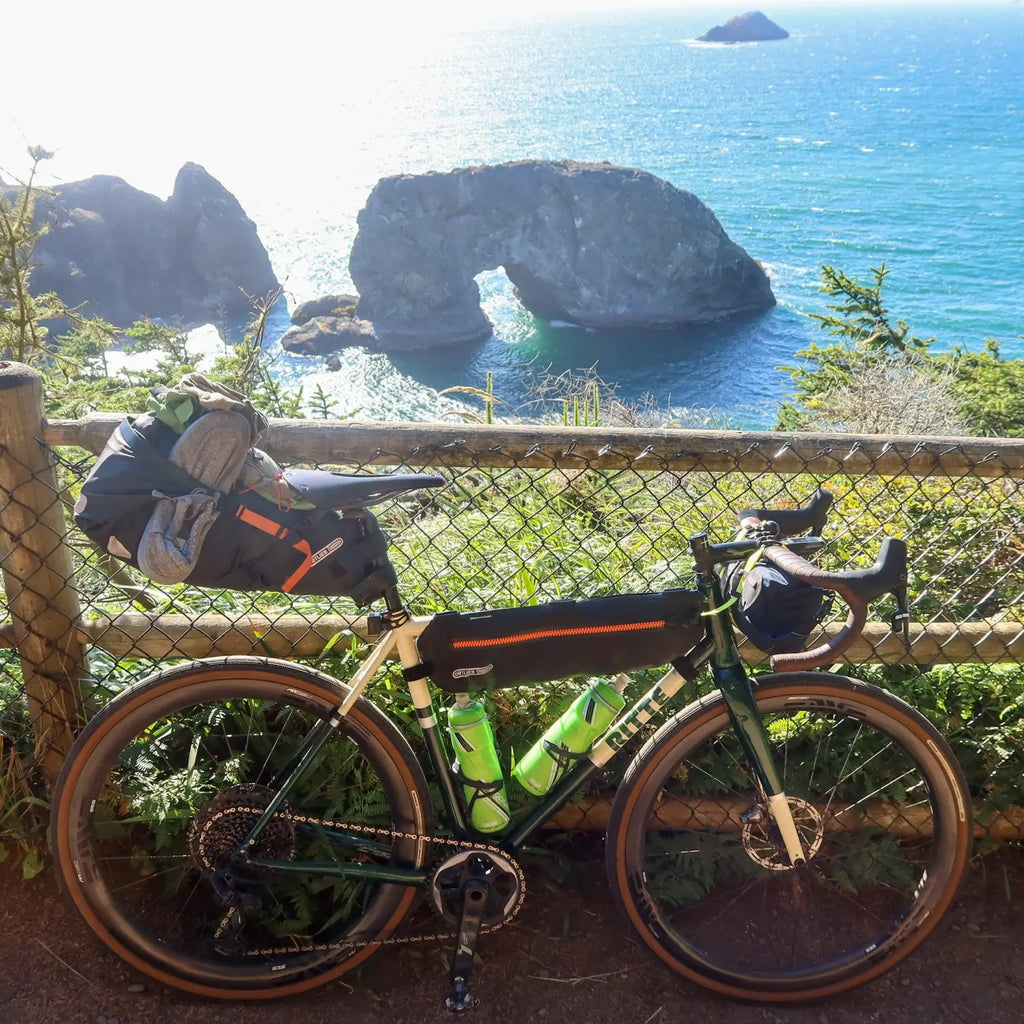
[323, 690]
[704, 717]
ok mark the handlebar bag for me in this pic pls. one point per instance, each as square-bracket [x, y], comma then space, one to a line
[776, 611]
[516, 646]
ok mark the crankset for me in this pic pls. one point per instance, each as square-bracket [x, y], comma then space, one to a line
[474, 889]
[503, 878]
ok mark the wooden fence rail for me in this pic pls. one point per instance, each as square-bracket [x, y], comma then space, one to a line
[542, 447]
[173, 635]
[52, 637]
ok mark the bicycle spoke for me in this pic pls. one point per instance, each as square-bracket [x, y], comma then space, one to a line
[166, 810]
[724, 901]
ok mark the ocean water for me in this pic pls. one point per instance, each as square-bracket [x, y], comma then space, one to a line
[875, 133]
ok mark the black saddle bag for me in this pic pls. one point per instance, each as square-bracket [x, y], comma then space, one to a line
[516, 646]
[249, 542]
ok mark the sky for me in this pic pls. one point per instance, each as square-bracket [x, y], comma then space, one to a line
[90, 75]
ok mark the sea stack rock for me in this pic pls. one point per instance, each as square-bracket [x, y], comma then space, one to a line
[325, 305]
[752, 27]
[124, 255]
[592, 244]
[325, 333]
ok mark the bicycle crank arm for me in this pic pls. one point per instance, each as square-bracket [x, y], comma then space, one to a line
[474, 901]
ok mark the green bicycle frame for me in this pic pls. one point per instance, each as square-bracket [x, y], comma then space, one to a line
[717, 647]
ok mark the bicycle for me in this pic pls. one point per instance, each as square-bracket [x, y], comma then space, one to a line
[243, 827]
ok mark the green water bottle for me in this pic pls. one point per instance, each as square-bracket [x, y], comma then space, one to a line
[477, 766]
[571, 736]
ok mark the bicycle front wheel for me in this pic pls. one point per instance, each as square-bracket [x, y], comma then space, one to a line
[698, 867]
[171, 776]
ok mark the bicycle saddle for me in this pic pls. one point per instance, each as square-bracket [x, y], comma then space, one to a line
[326, 490]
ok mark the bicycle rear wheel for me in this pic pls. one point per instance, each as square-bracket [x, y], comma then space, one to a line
[698, 867]
[171, 776]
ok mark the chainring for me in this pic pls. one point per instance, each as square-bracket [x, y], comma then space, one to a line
[506, 886]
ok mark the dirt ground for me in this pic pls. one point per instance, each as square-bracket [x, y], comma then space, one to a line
[567, 956]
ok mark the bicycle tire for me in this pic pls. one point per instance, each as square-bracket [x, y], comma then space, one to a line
[716, 899]
[139, 819]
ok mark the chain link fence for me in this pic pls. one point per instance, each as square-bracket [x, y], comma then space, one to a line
[532, 514]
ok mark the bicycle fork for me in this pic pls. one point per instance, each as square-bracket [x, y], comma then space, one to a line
[749, 727]
[731, 679]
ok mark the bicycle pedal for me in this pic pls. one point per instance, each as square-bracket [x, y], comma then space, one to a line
[460, 999]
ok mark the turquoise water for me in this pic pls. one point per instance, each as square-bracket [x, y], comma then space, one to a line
[874, 133]
[870, 135]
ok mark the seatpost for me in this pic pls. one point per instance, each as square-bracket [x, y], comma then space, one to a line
[396, 613]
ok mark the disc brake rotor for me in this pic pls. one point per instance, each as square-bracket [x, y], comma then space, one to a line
[763, 842]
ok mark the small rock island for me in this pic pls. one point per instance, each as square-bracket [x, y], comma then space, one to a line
[752, 27]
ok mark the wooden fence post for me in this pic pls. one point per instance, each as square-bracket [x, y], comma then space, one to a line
[37, 570]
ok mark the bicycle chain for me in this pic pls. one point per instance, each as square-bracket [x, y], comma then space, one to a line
[324, 947]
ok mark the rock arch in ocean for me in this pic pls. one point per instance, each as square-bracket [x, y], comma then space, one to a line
[592, 244]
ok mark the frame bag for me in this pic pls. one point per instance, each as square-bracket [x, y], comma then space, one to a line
[516, 646]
